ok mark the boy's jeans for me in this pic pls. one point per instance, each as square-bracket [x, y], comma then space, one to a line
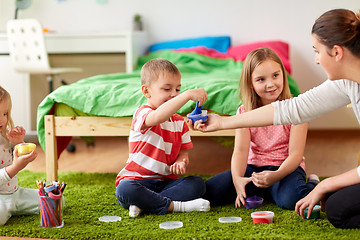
[155, 196]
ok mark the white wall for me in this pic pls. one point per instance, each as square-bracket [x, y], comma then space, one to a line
[244, 21]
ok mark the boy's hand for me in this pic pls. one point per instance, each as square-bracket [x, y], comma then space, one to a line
[16, 135]
[198, 94]
[163, 112]
[179, 167]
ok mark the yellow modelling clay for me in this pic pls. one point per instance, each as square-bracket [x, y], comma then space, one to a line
[25, 148]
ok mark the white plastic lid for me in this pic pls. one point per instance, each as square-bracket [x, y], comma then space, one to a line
[109, 218]
[230, 219]
[171, 225]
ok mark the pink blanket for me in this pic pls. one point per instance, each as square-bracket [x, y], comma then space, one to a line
[239, 52]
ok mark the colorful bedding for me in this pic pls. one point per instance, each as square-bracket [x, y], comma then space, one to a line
[119, 94]
[218, 43]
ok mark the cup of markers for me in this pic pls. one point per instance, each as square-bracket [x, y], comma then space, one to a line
[51, 204]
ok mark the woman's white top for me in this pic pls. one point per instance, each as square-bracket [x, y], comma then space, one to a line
[318, 101]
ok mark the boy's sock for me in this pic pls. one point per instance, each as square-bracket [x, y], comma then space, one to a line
[198, 204]
[313, 178]
[134, 211]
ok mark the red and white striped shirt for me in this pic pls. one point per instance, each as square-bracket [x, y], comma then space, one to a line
[153, 150]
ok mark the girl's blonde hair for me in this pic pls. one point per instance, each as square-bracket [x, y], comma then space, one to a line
[5, 96]
[247, 93]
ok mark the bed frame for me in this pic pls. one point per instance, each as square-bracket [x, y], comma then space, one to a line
[90, 126]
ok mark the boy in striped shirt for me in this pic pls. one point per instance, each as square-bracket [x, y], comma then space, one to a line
[159, 141]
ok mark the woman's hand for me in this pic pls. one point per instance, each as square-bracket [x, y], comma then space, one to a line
[313, 198]
[264, 179]
[16, 135]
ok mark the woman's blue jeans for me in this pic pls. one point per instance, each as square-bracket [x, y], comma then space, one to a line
[155, 196]
[220, 189]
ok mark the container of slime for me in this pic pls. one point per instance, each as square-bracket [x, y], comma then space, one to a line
[198, 114]
[262, 217]
[25, 148]
[197, 117]
[315, 213]
[253, 202]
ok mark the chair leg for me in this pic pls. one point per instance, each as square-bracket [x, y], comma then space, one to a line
[50, 79]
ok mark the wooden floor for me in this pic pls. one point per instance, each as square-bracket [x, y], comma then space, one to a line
[327, 153]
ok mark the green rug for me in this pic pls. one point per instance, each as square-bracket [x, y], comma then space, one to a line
[91, 195]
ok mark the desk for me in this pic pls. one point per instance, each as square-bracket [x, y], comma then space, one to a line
[132, 44]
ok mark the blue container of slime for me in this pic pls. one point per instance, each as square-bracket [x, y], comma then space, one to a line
[198, 114]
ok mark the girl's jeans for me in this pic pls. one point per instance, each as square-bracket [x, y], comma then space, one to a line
[24, 201]
[155, 196]
[285, 193]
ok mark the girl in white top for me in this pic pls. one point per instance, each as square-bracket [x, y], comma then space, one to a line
[14, 200]
[336, 40]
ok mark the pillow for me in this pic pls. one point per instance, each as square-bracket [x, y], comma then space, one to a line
[240, 52]
[219, 43]
[204, 51]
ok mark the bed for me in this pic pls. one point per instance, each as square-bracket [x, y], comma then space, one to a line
[102, 105]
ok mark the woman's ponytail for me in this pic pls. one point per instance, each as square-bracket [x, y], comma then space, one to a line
[339, 27]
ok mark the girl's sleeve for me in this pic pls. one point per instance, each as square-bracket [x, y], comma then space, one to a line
[312, 104]
[4, 177]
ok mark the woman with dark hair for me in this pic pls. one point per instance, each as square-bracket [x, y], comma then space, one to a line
[336, 40]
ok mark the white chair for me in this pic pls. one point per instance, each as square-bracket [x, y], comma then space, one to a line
[28, 52]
